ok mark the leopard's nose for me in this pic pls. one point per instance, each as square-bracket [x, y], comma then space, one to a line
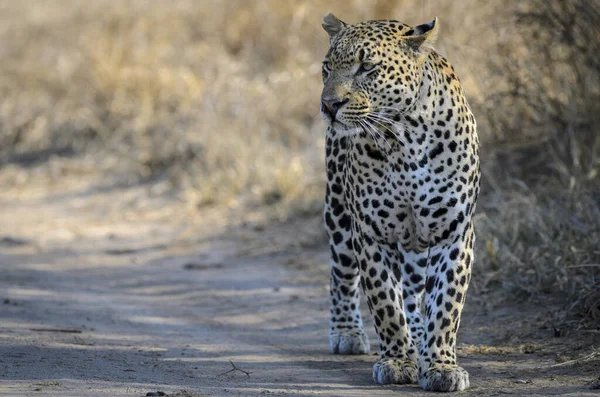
[332, 105]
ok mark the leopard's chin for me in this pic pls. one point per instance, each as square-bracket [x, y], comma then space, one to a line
[346, 129]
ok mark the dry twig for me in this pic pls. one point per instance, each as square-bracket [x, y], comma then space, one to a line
[64, 331]
[585, 265]
[235, 368]
[577, 360]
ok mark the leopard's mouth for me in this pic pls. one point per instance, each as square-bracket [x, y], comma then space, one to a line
[326, 113]
[331, 118]
[348, 127]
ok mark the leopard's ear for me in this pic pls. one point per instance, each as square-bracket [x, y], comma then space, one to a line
[332, 25]
[422, 37]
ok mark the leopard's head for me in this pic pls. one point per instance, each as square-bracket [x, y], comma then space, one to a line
[372, 71]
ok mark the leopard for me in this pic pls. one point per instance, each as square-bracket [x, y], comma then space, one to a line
[402, 182]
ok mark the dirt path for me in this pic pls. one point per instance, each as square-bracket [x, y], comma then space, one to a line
[95, 301]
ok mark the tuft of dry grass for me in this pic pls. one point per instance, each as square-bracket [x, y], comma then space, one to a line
[536, 242]
[219, 103]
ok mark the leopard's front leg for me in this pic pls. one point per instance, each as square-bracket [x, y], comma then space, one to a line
[414, 272]
[346, 332]
[448, 276]
[382, 283]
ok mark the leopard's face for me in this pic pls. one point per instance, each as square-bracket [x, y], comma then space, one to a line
[372, 72]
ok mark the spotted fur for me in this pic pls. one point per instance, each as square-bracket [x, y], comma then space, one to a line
[403, 175]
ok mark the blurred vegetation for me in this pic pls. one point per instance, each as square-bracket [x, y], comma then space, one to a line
[218, 101]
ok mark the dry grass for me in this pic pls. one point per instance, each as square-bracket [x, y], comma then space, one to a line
[219, 101]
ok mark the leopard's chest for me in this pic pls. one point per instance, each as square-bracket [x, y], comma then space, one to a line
[378, 200]
[394, 198]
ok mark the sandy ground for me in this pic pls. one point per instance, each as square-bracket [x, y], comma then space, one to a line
[101, 298]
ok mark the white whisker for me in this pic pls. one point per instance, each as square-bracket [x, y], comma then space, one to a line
[378, 119]
[376, 131]
[381, 125]
[368, 130]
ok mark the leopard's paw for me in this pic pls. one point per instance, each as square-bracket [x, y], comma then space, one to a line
[440, 377]
[389, 370]
[349, 342]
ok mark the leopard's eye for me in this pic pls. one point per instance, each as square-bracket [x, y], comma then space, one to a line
[366, 67]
